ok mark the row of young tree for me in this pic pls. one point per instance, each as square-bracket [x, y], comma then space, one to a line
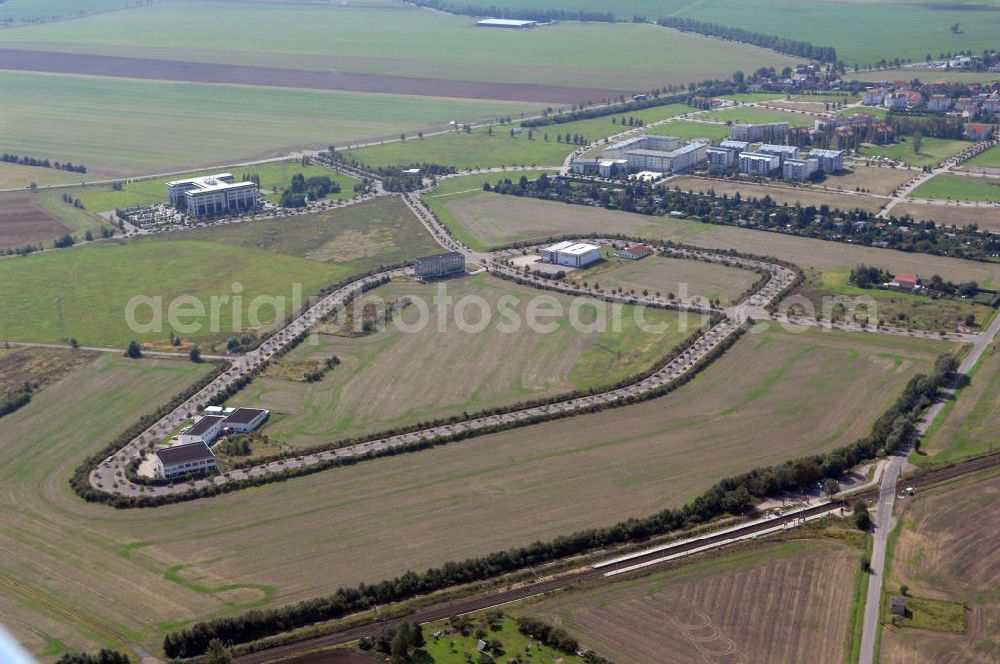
[802, 49]
[22, 160]
[735, 495]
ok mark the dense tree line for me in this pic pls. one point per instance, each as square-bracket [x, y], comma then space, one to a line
[524, 14]
[105, 656]
[553, 637]
[303, 190]
[42, 163]
[855, 226]
[734, 495]
[777, 43]
[937, 126]
[655, 99]
[397, 642]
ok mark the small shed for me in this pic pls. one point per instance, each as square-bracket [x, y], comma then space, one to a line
[897, 605]
[481, 646]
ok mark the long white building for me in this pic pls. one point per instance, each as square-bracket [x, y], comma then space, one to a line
[571, 254]
[661, 154]
[213, 195]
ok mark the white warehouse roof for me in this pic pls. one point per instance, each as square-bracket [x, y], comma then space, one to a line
[506, 23]
[573, 248]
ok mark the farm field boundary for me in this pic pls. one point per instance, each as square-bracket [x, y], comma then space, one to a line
[176, 70]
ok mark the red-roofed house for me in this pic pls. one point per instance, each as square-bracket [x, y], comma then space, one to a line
[977, 131]
[907, 281]
[635, 252]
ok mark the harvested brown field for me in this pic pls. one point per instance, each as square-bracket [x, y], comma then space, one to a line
[771, 397]
[880, 181]
[176, 70]
[788, 195]
[781, 603]
[494, 219]
[24, 221]
[988, 218]
[945, 551]
[38, 366]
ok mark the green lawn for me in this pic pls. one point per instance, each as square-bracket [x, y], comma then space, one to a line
[97, 281]
[932, 152]
[276, 258]
[958, 187]
[691, 130]
[751, 97]
[757, 115]
[988, 159]
[130, 127]
[274, 177]
[454, 648]
[877, 111]
[541, 146]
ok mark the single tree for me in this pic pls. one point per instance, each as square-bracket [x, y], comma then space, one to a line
[217, 653]
[862, 520]
[195, 354]
[134, 350]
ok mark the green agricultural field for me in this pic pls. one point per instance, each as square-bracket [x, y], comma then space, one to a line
[770, 398]
[858, 28]
[105, 123]
[442, 370]
[933, 151]
[970, 425]
[752, 97]
[13, 176]
[494, 220]
[350, 39]
[988, 159]
[959, 187]
[758, 115]
[494, 146]
[32, 11]
[97, 281]
[274, 177]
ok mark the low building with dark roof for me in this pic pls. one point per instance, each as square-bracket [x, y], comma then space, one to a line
[205, 430]
[191, 458]
[243, 420]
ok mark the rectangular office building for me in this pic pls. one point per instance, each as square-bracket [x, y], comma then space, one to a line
[439, 265]
[213, 195]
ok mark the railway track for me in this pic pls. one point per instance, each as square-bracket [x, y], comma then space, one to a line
[499, 598]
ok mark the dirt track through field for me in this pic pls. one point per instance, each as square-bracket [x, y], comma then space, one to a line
[176, 70]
